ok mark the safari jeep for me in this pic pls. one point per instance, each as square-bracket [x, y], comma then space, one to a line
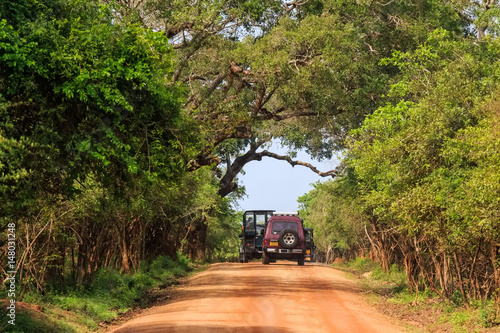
[284, 238]
[252, 233]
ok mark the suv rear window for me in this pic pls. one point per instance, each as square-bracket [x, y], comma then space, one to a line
[278, 226]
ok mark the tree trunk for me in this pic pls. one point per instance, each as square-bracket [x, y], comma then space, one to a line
[196, 239]
[125, 267]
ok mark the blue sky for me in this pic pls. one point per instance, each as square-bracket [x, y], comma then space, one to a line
[276, 185]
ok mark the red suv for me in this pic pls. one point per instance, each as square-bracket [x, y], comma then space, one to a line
[284, 239]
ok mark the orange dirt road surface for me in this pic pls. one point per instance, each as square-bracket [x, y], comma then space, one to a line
[281, 297]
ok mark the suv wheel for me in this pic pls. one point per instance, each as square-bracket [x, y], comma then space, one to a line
[288, 238]
[301, 260]
[265, 258]
[245, 258]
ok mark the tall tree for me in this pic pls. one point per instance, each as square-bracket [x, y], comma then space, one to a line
[90, 133]
[300, 72]
[88, 96]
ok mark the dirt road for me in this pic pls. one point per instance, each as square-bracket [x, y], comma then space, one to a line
[282, 297]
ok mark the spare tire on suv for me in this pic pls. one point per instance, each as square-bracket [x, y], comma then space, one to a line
[288, 238]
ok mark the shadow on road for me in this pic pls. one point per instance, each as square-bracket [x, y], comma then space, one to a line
[263, 284]
[204, 329]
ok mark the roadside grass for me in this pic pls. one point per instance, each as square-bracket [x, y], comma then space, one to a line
[372, 278]
[28, 321]
[110, 296]
[423, 311]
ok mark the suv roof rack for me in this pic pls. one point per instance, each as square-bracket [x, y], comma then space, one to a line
[286, 213]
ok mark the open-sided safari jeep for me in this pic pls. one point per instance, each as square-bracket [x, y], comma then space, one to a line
[254, 224]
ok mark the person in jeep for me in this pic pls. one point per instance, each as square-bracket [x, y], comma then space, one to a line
[284, 239]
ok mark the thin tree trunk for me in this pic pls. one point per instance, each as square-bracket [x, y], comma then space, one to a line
[460, 283]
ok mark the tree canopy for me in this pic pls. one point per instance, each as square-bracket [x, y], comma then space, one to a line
[422, 171]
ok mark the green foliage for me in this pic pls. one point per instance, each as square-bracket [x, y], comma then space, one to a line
[360, 265]
[415, 152]
[223, 234]
[488, 313]
[112, 293]
[332, 210]
[28, 321]
[307, 76]
[395, 275]
[407, 297]
[461, 320]
[93, 146]
[421, 173]
[80, 95]
[374, 278]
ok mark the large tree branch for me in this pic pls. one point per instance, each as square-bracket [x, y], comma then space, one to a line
[227, 184]
[289, 6]
[331, 173]
[276, 115]
[463, 16]
[195, 101]
[207, 158]
[243, 130]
